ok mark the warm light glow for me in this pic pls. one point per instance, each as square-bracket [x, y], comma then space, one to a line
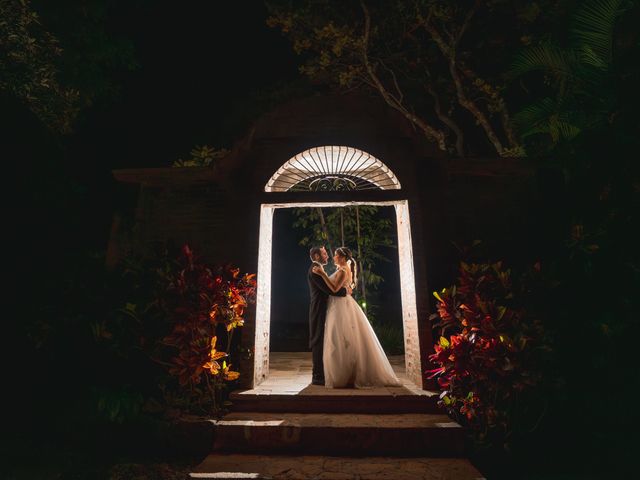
[447, 425]
[407, 285]
[225, 475]
[340, 168]
[408, 294]
[263, 296]
[250, 423]
[328, 161]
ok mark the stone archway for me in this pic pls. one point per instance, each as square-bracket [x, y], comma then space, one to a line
[336, 168]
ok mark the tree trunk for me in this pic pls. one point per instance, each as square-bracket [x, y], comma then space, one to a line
[325, 231]
[361, 268]
[342, 225]
[430, 132]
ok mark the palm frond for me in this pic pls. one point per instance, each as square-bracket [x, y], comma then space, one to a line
[536, 113]
[547, 117]
[562, 129]
[542, 129]
[544, 57]
[590, 72]
[589, 58]
[555, 128]
[593, 25]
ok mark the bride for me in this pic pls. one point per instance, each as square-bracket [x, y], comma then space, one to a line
[352, 354]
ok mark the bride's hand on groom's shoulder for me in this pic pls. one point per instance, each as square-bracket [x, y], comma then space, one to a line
[317, 269]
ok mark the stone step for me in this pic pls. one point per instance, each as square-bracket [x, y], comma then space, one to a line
[406, 434]
[320, 402]
[276, 467]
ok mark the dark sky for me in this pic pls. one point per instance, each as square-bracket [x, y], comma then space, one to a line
[200, 65]
[204, 70]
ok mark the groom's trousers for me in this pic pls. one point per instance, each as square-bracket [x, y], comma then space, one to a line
[316, 353]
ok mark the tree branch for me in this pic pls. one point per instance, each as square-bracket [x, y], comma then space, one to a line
[448, 121]
[467, 20]
[400, 97]
[432, 133]
[497, 102]
[449, 53]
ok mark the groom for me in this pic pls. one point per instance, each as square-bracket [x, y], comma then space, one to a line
[319, 293]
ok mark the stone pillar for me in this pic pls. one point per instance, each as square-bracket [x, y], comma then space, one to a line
[408, 294]
[263, 296]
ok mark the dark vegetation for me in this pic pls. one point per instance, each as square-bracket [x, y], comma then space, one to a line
[551, 82]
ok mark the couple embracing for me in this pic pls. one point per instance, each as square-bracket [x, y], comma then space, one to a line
[345, 349]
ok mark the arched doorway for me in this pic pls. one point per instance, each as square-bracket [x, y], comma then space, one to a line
[335, 176]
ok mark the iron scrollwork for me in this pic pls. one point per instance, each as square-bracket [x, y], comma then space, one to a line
[332, 183]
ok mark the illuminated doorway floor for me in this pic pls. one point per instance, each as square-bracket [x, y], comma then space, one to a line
[290, 376]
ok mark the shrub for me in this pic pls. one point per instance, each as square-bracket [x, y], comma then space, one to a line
[489, 353]
[391, 337]
[165, 338]
[204, 304]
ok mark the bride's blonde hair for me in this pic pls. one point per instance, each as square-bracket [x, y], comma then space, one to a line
[351, 262]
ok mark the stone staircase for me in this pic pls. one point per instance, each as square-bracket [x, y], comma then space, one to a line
[336, 436]
[314, 399]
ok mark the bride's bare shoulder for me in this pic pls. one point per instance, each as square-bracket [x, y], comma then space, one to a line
[347, 271]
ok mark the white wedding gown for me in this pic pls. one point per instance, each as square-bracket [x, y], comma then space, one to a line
[352, 354]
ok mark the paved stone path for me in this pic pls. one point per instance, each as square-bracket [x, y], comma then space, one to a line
[288, 429]
[335, 468]
[401, 420]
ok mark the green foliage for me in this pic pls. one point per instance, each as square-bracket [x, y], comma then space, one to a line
[59, 58]
[546, 57]
[376, 236]
[113, 338]
[431, 60]
[579, 77]
[118, 405]
[126, 326]
[593, 28]
[28, 68]
[202, 156]
[491, 353]
[584, 119]
[95, 53]
[202, 304]
[548, 117]
[391, 336]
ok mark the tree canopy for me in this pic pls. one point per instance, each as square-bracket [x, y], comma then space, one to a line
[440, 64]
[57, 59]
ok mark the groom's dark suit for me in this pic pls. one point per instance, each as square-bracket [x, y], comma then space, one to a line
[319, 292]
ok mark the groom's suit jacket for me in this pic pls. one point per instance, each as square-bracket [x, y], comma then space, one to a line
[319, 292]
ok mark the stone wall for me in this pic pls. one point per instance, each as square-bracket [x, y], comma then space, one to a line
[223, 226]
[217, 211]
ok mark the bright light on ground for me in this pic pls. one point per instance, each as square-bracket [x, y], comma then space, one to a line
[225, 475]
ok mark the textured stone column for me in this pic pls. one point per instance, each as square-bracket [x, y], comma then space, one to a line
[263, 296]
[408, 294]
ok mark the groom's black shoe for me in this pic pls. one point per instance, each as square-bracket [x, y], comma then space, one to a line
[317, 381]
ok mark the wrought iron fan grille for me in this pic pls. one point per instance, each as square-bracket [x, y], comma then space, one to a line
[332, 168]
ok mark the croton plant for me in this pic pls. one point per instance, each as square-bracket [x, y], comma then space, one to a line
[486, 358]
[204, 304]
